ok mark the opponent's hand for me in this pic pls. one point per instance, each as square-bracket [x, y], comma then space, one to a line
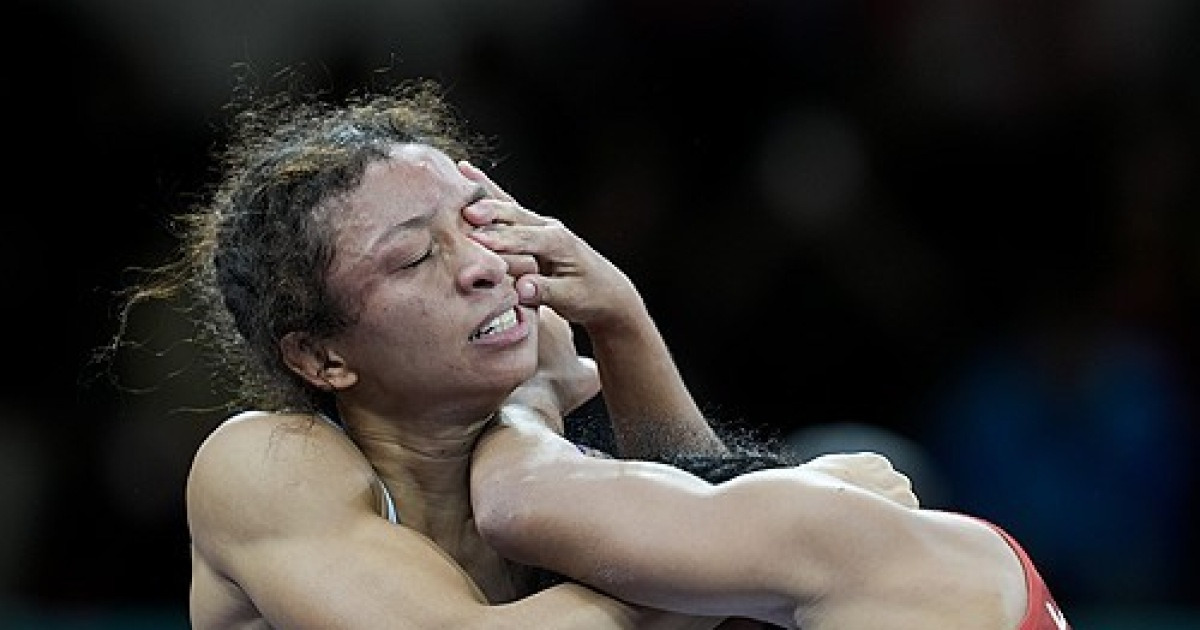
[564, 380]
[573, 378]
[552, 266]
[869, 471]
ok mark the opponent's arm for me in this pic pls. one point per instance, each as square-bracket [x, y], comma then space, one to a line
[650, 407]
[283, 507]
[756, 546]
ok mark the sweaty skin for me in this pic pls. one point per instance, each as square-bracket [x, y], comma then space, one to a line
[283, 509]
[797, 547]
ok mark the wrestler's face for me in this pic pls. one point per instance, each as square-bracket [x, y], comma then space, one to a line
[435, 321]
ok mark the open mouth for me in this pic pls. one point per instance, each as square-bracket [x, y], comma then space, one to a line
[497, 324]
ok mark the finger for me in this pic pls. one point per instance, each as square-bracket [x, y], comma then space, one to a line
[903, 491]
[529, 291]
[486, 212]
[520, 264]
[475, 174]
[490, 211]
[551, 319]
[539, 290]
[516, 239]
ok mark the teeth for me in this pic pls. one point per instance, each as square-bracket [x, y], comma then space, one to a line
[501, 323]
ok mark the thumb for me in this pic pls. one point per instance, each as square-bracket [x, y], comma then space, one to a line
[529, 290]
[559, 294]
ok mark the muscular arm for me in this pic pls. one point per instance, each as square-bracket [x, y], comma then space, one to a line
[833, 543]
[757, 546]
[285, 510]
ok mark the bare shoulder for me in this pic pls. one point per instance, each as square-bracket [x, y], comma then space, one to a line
[259, 468]
[953, 545]
[968, 576]
[274, 437]
[286, 532]
[977, 567]
[975, 537]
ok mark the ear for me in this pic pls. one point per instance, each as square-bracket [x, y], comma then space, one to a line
[315, 362]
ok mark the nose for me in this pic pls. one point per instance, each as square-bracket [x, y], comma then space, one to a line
[480, 267]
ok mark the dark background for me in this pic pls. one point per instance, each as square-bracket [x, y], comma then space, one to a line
[961, 232]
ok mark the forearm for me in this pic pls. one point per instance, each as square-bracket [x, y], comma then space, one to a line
[650, 407]
[653, 534]
[538, 502]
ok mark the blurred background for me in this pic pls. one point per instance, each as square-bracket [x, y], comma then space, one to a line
[963, 232]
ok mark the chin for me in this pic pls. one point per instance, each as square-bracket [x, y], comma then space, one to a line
[517, 372]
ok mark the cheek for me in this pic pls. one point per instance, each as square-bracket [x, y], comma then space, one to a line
[398, 340]
[413, 320]
[417, 325]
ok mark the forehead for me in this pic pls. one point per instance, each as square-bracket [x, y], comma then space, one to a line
[397, 195]
[414, 175]
[413, 180]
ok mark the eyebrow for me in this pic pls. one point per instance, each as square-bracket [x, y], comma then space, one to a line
[422, 220]
[407, 225]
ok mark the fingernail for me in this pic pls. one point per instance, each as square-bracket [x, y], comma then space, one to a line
[526, 290]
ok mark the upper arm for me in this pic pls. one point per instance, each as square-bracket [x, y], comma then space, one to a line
[287, 513]
[292, 520]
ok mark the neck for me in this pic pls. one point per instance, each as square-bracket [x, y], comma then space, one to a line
[425, 463]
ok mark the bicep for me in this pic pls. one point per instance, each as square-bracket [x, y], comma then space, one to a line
[389, 578]
[290, 517]
[373, 574]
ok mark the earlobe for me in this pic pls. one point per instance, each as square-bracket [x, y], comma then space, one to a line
[316, 364]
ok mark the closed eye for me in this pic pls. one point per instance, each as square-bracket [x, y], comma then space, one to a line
[420, 259]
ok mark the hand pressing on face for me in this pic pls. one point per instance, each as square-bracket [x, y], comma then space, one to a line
[552, 266]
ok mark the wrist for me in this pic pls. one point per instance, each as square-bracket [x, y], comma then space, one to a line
[628, 319]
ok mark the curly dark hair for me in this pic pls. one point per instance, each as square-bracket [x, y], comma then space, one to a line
[254, 255]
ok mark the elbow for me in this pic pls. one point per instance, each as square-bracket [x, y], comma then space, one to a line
[509, 519]
[500, 524]
[517, 501]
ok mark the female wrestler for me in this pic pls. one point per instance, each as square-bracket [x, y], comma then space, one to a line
[371, 340]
